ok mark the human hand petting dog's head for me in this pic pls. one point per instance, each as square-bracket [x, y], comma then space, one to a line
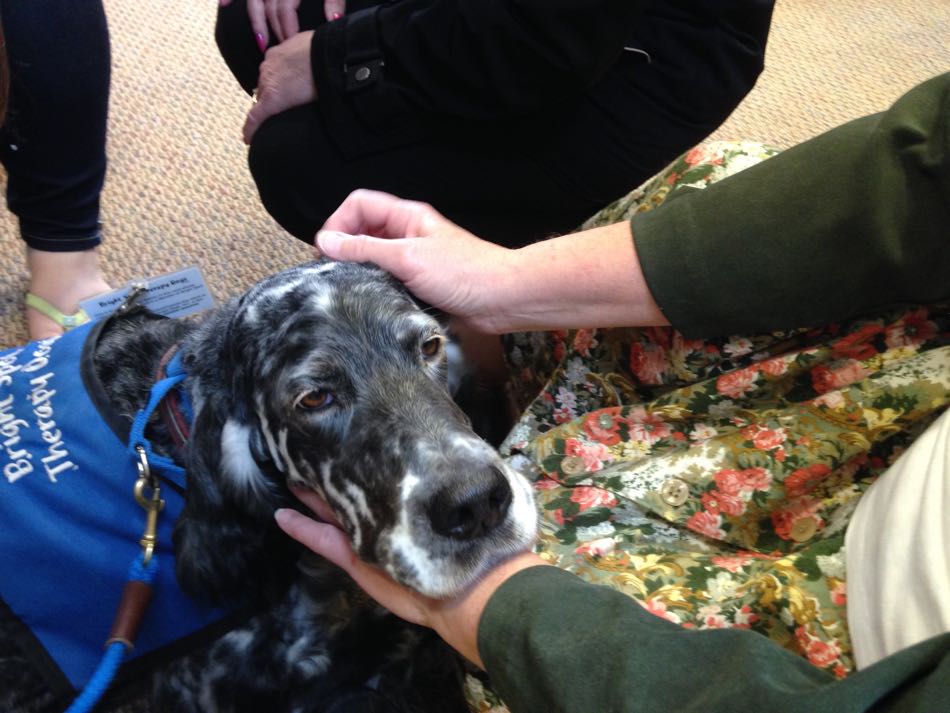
[441, 263]
[584, 279]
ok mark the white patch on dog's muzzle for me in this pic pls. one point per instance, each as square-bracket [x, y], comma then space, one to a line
[410, 558]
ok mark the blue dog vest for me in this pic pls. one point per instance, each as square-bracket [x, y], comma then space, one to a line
[69, 523]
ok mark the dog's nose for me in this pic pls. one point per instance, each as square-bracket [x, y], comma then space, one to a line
[472, 508]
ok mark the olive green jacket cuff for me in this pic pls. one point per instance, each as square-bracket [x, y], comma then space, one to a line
[853, 220]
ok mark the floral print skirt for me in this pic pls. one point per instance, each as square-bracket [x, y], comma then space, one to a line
[713, 480]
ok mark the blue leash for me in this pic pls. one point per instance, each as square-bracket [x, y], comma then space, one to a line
[145, 566]
[116, 650]
[137, 439]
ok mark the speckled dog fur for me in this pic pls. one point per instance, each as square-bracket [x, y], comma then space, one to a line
[330, 377]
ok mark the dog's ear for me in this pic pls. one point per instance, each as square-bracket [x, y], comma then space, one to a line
[227, 545]
[211, 355]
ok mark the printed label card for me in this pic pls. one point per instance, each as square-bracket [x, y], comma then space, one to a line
[176, 294]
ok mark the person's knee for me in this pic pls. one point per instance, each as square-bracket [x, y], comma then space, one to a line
[235, 40]
[298, 176]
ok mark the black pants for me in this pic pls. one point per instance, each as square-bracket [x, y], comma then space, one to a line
[53, 143]
[509, 182]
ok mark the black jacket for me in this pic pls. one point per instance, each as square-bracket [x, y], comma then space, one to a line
[393, 72]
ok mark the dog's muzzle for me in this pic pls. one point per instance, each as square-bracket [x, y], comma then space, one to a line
[461, 510]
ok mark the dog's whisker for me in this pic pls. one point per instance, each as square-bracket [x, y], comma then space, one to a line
[358, 497]
[292, 470]
[269, 439]
[340, 503]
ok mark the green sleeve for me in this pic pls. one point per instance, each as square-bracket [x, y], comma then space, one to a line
[552, 643]
[852, 220]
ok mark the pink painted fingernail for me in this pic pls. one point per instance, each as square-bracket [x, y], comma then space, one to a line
[262, 45]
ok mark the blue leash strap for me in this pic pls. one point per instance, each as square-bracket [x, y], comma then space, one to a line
[138, 589]
[176, 369]
[135, 598]
[137, 437]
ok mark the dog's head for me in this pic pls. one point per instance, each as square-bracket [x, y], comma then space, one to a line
[330, 377]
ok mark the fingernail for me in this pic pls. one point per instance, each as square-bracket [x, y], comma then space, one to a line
[336, 16]
[329, 241]
[262, 45]
[282, 515]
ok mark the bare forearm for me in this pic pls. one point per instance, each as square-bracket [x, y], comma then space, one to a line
[457, 620]
[587, 279]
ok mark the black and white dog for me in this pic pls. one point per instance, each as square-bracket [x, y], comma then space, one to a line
[326, 376]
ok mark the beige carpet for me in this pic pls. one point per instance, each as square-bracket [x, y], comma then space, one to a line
[178, 192]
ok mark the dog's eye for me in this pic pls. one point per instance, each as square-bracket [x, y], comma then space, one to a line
[431, 347]
[316, 399]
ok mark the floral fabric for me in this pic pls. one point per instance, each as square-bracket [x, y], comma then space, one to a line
[713, 480]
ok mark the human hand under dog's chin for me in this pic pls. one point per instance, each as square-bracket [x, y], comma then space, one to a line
[455, 618]
[441, 263]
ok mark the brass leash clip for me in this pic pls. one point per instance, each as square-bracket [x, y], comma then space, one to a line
[148, 494]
